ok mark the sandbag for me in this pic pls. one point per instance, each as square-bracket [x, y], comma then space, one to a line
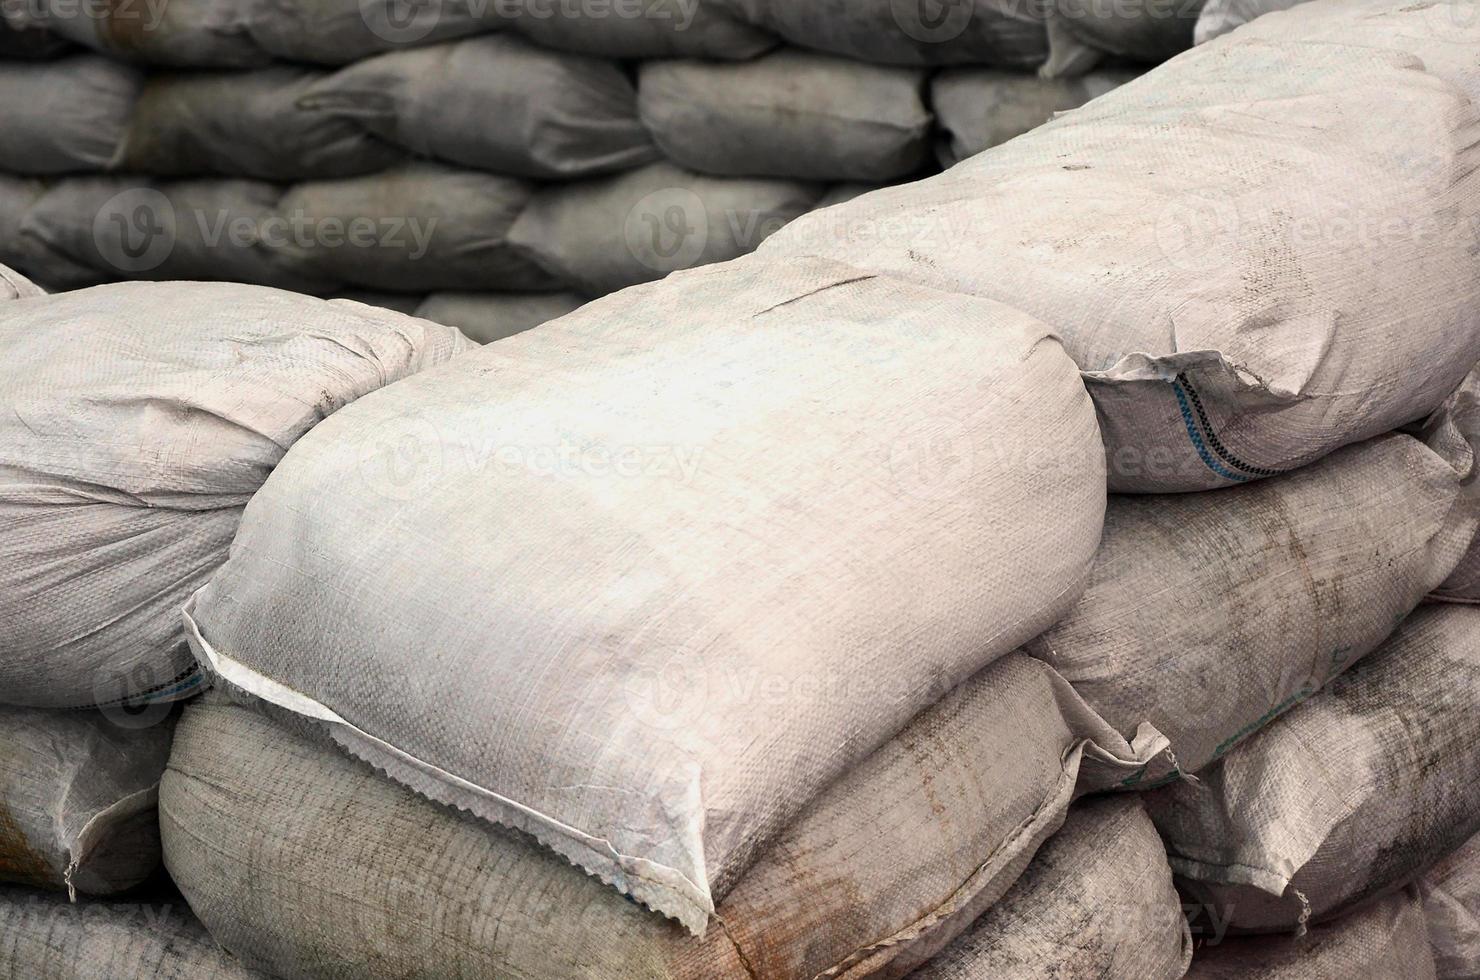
[340, 32]
[1209, 615]
[1141, 30]
[1221, 16]
[45, 938]
[979, 108]
[635, 29]
[1096, 901]
[245, 124]
[1383, 941]
[789, 114]
[486, 317]
[494, 103]
[406, 303]
[1208, 241]
[1451, 901]
[1453, 424]
[767, 434]
[124, 469]
[606, 234]
[1352, 794]
[78, 792]
[179, 33]
[13, 285]
[416, 228]
[309, 864]
[64, 116]
[28, 254]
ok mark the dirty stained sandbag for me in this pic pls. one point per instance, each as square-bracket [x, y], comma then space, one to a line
[495, 103]
[609, 233]
[295, 854]
[65, 116]
[1451, 899]
[1455, 422]
[979, 108]
[741, 555]
[1221, 16]
[489, 316]
[1351, 794]
[1262, 593]
[788, 114]
[416, 228]
[1096, 901]
[44, 937]
[340, 32]
[245, 124]
[1140, 30]
[141, 418]
[78, 794]
[1384, 940]
[637, 30]
[1203, 240]
[175, 33]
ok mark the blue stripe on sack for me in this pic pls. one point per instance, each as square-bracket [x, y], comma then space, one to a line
[1214, 442]
[1197, 439]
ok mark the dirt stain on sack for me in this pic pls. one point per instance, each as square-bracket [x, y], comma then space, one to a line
[19, 862]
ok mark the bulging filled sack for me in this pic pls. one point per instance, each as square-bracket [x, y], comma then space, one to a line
[979, 108]
[1256, 253]
[181, 33]
[1221, 16]
[823, 478]
[77, 799]
[1352, 794]
[494, 103]
[486, 317]
[789, 114]
[339, 32]
[141, 418]
[1141, 30]
[1451, 901]
[602, 235]
[245, 124]
[1453, 424]
[64, 116]
[43, 937]
[635, 31]
[28, 254]
[1097, 901]
[310, 865]
[1208, 615]
[1384, 940]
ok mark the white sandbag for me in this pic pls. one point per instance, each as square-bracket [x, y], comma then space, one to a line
[979, 108]
[245, 124]
[1240, 249]
[495, 103]
[43, 937]
[13, 285]
[1221, 16]
[635, 29]
[1453, 424]
[1097, 901]
[406, 303]
[1141, 30]
[309, 864]
[768, 434]
[1451, 900]
[788, 114]
[340, 32]
[1353, 793]
[77, 799]
[486, 317]
[416, 228]
[140, 419]
[1384, 940]
[605, 234]
[1261, 593]
[64, 116]
[181, 33]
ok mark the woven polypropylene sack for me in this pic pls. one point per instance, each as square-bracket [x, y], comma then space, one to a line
[77, 798]
[1456, 423]
[64, 116]
[1221, 16]
[495, 103]
[141, 418]
[1257, 253]
[1210, 614]
[486, 317]
[1355, 792]
[1451, 899]
[13, 285]
[309, 863]
[768, 435]
[340, 32]
[636, 31]
[180, 33]
[1142, 30]
[979, 108]
[789, 114]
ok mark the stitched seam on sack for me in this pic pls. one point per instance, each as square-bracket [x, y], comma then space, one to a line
[1212, 436]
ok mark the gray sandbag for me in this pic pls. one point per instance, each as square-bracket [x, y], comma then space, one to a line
[43, 937]
[341, 32]
[28, 254]
[495, 103]
[416, 228]
[606, 234]
[843, 193]
[1239, 249]
[78, 795]
[311, 865]
[133, 228]
[20, 40]
[1451, 901]
[1352, 794]
[636, 30]
[486, 317]
[1140, 30]
[141, 419]
[788, 114]
[979, 108]
[177, 33]
[1221, 16]
[1096, 901]
[1209, 615]
[1453, 424]
[769, 435]
[245, 124]
[1384, 940]
[64, 116]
